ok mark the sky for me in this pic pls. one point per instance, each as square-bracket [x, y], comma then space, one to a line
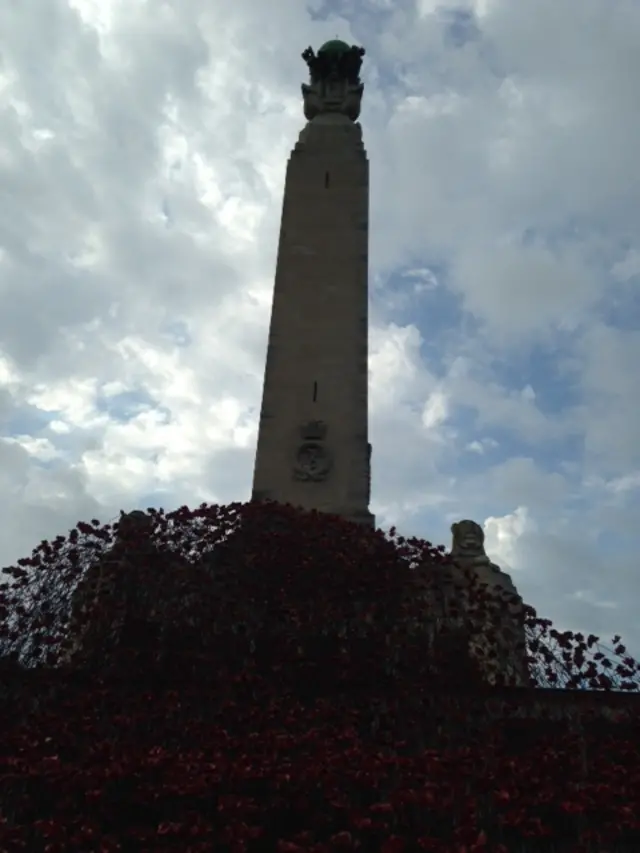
[143, 147]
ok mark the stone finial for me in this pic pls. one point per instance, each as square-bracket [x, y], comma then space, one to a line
[335, 85]
[335, 59]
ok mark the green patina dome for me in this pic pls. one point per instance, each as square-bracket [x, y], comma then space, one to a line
[334, 46]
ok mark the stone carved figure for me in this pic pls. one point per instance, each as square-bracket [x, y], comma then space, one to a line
[335, 85]
[100, 579]
[328, 64]
[468, 544]
[133, 524]
[156, 607]
[500, 655]
[351, 63]
[318, 65]
[467, 552]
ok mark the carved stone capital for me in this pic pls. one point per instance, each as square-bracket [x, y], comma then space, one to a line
[334, 85]
[337, 96]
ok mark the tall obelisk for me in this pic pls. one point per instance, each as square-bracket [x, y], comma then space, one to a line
[313, 449]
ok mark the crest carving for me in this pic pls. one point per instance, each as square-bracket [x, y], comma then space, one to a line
[313, 460]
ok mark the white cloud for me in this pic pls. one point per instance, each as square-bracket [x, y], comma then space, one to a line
[481, 446]
[588, 596]
[502, 535]
[40, 448]
[628, 267]
[520, 289]
[435, 410]
[626, 483]
[397, 372]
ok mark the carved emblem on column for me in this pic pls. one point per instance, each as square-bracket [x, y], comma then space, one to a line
[313, 460]
[334, 80]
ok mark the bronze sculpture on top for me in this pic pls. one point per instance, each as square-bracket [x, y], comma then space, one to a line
[335, 85]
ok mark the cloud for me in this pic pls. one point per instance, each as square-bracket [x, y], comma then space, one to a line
[502, 535]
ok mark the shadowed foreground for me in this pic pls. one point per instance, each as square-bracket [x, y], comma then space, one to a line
[255, 678]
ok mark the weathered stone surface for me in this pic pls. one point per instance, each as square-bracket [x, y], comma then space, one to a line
[335, 85]
[316, 368]
[499, 641]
